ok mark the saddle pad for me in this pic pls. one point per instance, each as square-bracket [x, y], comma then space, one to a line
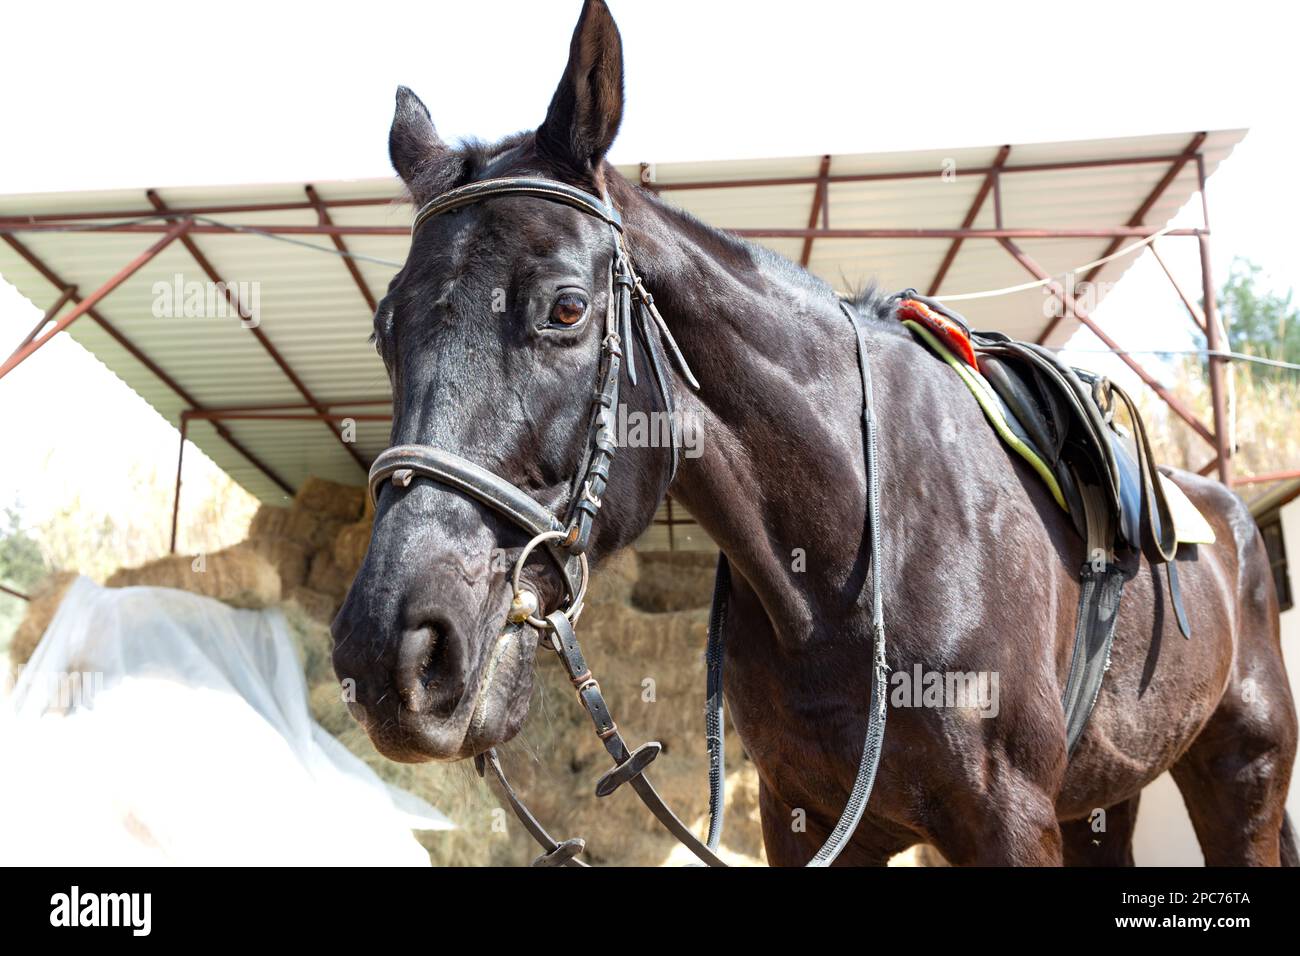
[1190, 525]
[994, 410]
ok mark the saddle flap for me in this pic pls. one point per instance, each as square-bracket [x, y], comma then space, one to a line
[1037, 409]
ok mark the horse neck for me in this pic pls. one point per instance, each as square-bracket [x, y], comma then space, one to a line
[779, 481]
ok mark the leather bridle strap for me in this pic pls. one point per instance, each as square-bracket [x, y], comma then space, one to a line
[402, 463]
[550, 189]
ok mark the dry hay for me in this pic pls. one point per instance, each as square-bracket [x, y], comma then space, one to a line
[319, 607]
[674, 581]
[651, 669]
[238, 576]
[45, 600]
[556, 759]
[308, 528]
[350, 546]
[289, 558]
[330, 499]
[327, 577]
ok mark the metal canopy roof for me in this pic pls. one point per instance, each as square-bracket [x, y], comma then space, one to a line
[907, 219]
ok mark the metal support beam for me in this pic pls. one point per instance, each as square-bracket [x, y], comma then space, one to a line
[1214, 342]
[135, 352]
[818, 206]
[1197, 316]
[180, 461]
[1189, 153]
[1073, 307]
[215, 210]
[258, 334]
[1291, 475]
[990, 181]
[278, 229]
[919, 174]
[322, 213]
[48, 316]
[177, 231]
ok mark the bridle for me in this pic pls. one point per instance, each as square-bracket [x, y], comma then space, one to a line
[631, 317]
[631, 314]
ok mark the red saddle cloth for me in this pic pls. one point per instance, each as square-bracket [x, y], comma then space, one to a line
[950, 332]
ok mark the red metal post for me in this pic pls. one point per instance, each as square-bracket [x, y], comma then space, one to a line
[353, 270]
[990, 180]
[176, 497]
[135, 352]
[819, 200]
[1192, 310]
[1070, 232]
[1187, 155]
[258, 334]
[50, 313]
[1218, 396]
[85, 305]
[1291, 475]
[1072, 306]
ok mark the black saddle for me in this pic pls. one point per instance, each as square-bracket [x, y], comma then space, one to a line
[1108, 479]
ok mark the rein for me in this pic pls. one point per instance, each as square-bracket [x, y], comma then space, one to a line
[631, 316]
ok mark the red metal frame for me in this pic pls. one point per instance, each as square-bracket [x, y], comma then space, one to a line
[185, 228]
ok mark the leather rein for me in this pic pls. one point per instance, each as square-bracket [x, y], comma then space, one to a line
[631, 317]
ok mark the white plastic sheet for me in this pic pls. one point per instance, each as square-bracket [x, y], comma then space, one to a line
[154, 726]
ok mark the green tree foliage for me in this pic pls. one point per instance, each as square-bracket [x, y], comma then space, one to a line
[1259, 321]
[21, 565]
[21, 561]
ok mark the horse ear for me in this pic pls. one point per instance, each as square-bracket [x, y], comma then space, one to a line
[587, 108]
[413, 143]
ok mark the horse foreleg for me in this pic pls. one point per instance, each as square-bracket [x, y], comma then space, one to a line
[1111, 844]
[790, 838]
[1010, 822]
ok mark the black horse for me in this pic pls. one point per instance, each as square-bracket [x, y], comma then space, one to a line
[490, 343]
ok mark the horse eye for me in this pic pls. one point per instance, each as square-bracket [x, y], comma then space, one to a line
[568, 309]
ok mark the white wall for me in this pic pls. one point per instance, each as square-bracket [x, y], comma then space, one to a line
[1164, 834]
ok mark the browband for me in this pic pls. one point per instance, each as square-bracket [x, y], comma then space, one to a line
[552, 190]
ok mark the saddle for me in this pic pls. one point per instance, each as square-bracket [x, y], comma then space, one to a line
[1061, 420]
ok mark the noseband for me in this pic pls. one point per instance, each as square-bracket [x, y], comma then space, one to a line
[630, 316]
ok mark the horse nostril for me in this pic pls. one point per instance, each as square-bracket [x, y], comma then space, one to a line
[427, 677]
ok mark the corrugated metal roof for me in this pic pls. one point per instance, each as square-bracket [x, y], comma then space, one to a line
[316, 317]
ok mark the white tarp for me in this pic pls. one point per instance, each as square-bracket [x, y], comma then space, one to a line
[154, 726]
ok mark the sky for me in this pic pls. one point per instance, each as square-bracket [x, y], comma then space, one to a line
[136, 95]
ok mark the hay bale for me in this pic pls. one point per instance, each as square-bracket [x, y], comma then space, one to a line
[304, 527]
[614, 581]
[312, 641]
[674, 581]
[237, 576]
[331, 499]
[45, 600]
[289, 558]
[317, 606]
[327, 577]
[350, 546]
